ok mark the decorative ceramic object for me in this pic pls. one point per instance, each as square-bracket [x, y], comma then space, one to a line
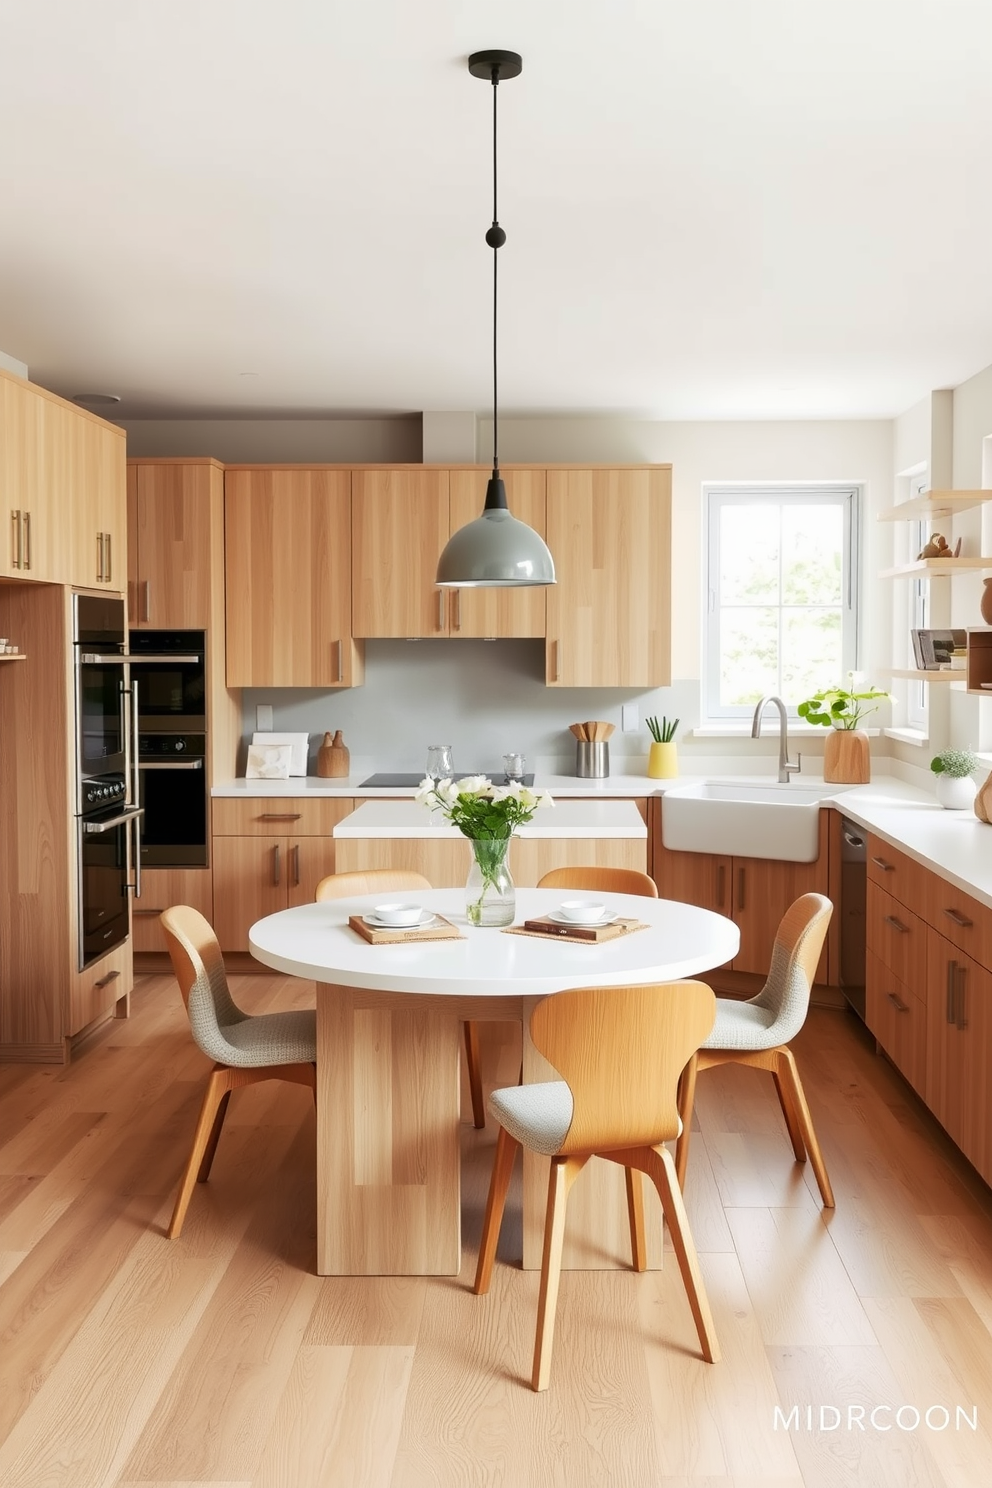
[333, 758]
[987, 602]
[663, 761]
[983, 800]
[490, 899]
[847, 757]
[956, 792]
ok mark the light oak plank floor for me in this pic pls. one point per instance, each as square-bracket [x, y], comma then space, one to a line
[221, 1360]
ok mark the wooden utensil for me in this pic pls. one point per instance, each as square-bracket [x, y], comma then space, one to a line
[578, 730]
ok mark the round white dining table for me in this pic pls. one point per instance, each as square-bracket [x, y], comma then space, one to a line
[388, 1079]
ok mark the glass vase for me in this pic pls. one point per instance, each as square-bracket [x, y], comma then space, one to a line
[489, 895]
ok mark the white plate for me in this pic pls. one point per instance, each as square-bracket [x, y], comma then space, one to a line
[426, 918]
[560, 919]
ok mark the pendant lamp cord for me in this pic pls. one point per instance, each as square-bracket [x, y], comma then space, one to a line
[495, 271]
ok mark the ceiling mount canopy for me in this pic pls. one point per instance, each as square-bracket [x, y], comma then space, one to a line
[496, 551]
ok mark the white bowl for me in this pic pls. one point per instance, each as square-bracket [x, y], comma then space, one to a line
[397, 914]
[582, 911]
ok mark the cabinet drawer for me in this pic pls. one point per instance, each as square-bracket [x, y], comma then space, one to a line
[898, 1019]
[281, 816]
[898, 938]
[99, 988]
[960, 918]
[898, 875]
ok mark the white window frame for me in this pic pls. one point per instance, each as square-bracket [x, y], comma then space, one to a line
[918, 693]
[849, 497]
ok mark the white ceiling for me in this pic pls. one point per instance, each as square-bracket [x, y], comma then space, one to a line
[714, 208]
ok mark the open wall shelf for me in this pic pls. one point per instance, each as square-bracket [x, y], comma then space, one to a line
[917, 674]
[936, 567]
[934, 504]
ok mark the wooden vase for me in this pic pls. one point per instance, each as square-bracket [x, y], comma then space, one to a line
[846, 757]
[986, 603]
[983, 801]
[333, 758]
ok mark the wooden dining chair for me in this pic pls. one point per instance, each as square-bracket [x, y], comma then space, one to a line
[757, 1033]
[601, 880]
[620, 1051]
[387, 881]
[245, 1048]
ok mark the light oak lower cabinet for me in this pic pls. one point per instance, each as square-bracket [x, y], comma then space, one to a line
[268, 855]
[446, 860]
[898, 1019]
[160, 889]
[753, 892]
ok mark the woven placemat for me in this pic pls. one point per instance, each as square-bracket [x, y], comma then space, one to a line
[439, 929]
[604, 933]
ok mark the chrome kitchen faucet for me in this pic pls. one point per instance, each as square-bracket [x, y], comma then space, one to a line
[785, 767]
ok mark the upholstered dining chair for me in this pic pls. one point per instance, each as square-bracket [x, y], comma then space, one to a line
[648, 1033]
[245, 1048]
[387, 881]
[757, 1033]
[601, 880]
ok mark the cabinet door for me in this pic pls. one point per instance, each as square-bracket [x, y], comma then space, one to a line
[400, 524]
[609, 622]
[898, 1019]
[694, 878]
[171, 557]
[498, 612]
[250, 877]
[32, 545]
[96, 484]
[161, 888]
[288, 579]
[762, 892]
[309, 859]
[958, 1048]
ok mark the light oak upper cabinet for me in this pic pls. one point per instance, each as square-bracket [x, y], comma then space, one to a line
[498, 612]
[175, 539]
[93, 455]
[288, 579]
[609, 615]
[31, 531]
[400, 526]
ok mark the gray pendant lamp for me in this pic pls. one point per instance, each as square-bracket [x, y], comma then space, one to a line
[496, 551]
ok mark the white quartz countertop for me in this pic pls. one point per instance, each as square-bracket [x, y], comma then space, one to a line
[613, 786]
[953, 844]
[391, 819]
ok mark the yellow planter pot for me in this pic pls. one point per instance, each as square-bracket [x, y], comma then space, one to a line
[663, 761]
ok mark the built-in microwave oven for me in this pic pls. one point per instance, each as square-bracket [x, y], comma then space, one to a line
[169, 667]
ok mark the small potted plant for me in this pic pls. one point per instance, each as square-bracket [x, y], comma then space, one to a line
[663, 759]
[846, 756]
[955, 787]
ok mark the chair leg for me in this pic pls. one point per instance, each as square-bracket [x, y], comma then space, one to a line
[213, 1139]
[666, 1182]
[789, 1112]
[635, 1213]
[790, 1073]
[475, 1074]
[506, 1152]
[564, 1171]
[686, 1098]
[218, 1090]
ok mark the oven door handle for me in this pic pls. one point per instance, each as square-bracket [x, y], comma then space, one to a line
[92, 827]
[97, 658]
[193, 764]
[136, 658]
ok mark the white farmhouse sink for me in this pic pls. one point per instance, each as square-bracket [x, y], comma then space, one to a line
[743, 818]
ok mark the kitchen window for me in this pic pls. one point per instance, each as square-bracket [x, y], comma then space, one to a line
[781, 590]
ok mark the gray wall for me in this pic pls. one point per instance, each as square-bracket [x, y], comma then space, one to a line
[322, 440]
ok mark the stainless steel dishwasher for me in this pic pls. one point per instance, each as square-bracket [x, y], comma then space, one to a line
[853, 888]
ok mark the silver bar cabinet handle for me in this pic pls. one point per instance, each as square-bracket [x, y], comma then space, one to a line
[99, 557]
[456, 608]
[949, 1008]
[896, 924]
[440, 609]
[339, 647]
[146, 599]
[15, 539]
[26, 523]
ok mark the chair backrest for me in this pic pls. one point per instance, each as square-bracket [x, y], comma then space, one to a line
[601, 880]
[369, 881]
[621, 1050]
[795, 953]
[199, 967]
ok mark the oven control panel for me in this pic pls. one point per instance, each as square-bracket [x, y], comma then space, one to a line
[103, 790]
[170, 746]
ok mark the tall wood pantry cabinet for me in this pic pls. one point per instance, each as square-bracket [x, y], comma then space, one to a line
[176, 582]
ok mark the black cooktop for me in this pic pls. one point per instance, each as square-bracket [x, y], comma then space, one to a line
[386, 779]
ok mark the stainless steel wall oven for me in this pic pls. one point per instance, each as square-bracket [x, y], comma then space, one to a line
[168, 668]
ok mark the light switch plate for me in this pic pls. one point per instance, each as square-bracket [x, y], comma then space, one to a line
[631, 718]
[263, 717]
